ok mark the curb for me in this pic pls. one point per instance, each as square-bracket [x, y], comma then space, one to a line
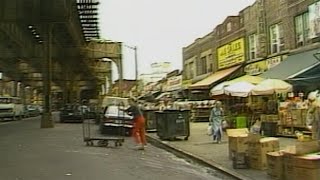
[186, 155]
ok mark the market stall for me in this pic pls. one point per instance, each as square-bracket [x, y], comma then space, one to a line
[292, 116]
[266, 96]
[236, 99]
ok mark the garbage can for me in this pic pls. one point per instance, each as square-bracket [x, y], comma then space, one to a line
[241, 122]
[269, 128]
[172, 124]
[150, 117]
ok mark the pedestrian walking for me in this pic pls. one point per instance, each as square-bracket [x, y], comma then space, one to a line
[138, 132]
[216, 117]
[313, 115]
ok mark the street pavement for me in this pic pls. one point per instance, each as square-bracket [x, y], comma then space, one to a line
[201, 146]
[31, 153]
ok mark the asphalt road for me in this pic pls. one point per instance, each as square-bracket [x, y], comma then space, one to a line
[30, 153]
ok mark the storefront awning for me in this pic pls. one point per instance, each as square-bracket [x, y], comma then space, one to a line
[219, 75]
[292, 66]
[163, 95]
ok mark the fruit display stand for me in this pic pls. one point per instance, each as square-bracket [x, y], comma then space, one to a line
[292, 119]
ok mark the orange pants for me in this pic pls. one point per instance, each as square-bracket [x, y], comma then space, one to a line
[138, 131]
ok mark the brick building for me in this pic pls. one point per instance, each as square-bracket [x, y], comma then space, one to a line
[258, 40]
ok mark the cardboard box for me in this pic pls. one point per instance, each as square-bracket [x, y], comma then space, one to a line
[238, 144]
[305, 147]
[254, 138]
[237, 132]
[305, 174]
[309, 161]
[258, 151]
[272, 118]
[238, 141]
[275, 165]
[288, 167]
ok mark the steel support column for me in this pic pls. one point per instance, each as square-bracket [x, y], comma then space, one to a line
[46, 121]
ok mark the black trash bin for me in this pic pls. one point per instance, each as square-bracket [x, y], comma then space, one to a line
[269, 128]
[150, 117]
[172, 124]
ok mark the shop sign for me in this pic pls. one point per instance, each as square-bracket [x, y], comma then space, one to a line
[262, 66]
[314, 20]
[256, 68]
[231, 54]
[272, 62]
[174, 83]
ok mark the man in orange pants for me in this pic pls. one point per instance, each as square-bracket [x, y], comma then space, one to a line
[138, 132]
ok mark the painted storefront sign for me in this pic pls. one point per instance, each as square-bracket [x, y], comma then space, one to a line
[272, 62]
[255, 68]
[174, 83]
[262, 66]
[231, 54]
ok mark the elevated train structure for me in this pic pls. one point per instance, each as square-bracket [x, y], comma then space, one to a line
[50, 51]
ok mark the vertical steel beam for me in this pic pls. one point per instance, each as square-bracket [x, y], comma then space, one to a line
[46, 121]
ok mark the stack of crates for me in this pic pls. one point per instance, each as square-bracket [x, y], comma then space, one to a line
[240, 160]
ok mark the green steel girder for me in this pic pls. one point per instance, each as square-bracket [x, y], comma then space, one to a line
[68, 40]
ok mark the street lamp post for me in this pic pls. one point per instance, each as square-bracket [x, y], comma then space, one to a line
[135, 48]
[1, 84]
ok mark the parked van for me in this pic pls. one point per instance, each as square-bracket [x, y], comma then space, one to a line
[11, 107]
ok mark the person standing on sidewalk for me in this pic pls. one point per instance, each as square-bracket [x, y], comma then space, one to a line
[138, 132]
[313, 115]
[216, 117]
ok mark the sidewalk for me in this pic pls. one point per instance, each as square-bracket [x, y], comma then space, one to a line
[201, 147]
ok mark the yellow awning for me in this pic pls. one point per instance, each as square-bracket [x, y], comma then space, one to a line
[205, 83]
[247, 78]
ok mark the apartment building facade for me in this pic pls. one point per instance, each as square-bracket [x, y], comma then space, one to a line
[258, 39]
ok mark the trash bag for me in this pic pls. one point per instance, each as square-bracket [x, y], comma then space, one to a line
[313, 95]
[225, 124]
[256, 127]
[209, 130]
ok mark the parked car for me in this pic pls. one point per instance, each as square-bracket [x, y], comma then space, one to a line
[115, 121]
[11, 107]
[31, 110]
[71, 113]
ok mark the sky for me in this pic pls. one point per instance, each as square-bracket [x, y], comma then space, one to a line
[161, 28]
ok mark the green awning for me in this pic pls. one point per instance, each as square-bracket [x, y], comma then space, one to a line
[292, 66]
